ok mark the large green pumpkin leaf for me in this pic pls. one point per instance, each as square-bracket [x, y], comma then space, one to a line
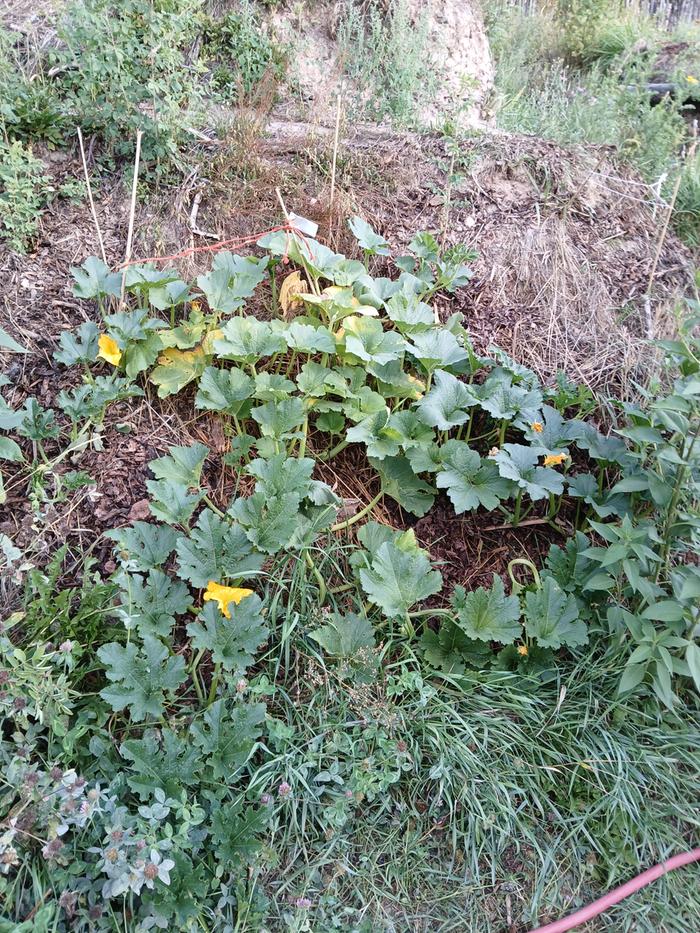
[305, 338]
[409, 313]
[181, 464]
[282, 475]
[488, 615]
[552, 617]
[436, 348]
[231, 280]
[216, 549]
[140, 354]
[232, 642]
[273, 387]
[345, 636]
[176, 369]
[141, 678]
[400, 483]
[247, 340]
[399, 575]
[366, 339]
[446, 405]
[280, 420]
[469, 480]
[450, 650]
[169, 765]
[79, 346]
[223, 390]
[520, 464]
[504, 400]
[269, 523]
[150, 604]
[235, 833]
[172, 503]
[143, 546]
[94, 280]
[376, 433]
[10, 450]
[368, 238]
[226, 736]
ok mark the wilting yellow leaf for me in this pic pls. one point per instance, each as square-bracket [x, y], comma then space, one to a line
[177, 368]
[225, 595]
[290, 291]
[109, 349]
[209, 338]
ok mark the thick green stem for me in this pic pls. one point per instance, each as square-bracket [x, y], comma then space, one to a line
[516, 510]
[334, 590]
[358, 516]
[341, 445]
[429, 613]
[214, 684]
[502, 432]
[213, 507]
[317, 574]
[469, 428]
[195, 676]
[273, 289]
[302, 443]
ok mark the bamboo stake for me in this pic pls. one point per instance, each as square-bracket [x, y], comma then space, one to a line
[132, 212]
[90, 198]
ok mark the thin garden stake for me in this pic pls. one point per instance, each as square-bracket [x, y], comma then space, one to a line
[90, 198]
[132, 212]
[335, 156]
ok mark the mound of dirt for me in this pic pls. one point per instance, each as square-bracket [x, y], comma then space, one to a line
[567, 247]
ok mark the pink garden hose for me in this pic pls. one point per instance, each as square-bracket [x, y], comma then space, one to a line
[619, 894]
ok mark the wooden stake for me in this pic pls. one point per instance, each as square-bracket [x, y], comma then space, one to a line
[132, 212]
[335, 153]
[90, 198]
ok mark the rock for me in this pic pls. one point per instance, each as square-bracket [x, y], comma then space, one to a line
[139, 511]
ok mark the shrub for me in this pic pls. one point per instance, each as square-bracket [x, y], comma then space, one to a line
[126, 69]
[580, 21]
[23, 193]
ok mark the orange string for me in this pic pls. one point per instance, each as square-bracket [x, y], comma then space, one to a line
[235, 243]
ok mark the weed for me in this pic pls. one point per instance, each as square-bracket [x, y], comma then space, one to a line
[687, 208]
[386, 58]
[30, 109]
[240, 54]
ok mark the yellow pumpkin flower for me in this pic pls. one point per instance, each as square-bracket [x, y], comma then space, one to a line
[691, 79]
[555, 459]
[196, 306]
[522, 650]
[225, 595]
[537, 427]
[109, 349]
